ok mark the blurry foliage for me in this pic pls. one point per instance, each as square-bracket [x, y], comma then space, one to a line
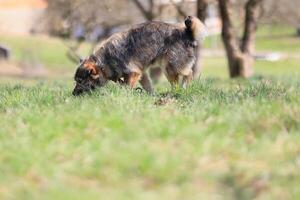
[273, 11]
[72, 18]
[95, 20]
[64, 16]
[281, 11]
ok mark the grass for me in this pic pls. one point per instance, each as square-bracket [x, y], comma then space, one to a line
[217, 67]
[44, 50]
[219, 139]
[235, 139]
[278, 38]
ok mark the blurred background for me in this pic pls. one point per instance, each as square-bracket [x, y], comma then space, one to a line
[45, 38]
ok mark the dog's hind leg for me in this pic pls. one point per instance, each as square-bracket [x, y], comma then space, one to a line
[155, 74]
[146, 83]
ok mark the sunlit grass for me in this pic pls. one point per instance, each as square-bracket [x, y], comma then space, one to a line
[219, 137]
[41, 49]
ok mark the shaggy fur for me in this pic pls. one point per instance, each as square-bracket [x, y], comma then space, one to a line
[126, 56]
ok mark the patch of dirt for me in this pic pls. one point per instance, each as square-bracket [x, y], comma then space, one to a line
[10, 69]
[165, 99]
[7, 68]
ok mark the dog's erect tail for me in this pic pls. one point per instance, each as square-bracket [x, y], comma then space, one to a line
[196, 28]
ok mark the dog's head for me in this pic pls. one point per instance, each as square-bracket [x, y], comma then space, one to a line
[89, 75]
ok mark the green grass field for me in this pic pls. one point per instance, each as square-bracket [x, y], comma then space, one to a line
[219, 139]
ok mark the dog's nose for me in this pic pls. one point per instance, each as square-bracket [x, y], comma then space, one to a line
[76, 92]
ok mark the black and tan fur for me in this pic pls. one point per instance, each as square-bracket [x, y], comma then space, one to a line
[126, 56]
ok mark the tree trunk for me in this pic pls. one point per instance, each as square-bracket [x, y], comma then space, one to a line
[240, 56]
[202, 9]
[148, 13]
[201, 14]
[233, 52]
[248, 42]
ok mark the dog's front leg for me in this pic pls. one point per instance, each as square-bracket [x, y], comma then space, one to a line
[132, 78]
[186, 80]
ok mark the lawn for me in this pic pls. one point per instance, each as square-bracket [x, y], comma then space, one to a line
[219, 139]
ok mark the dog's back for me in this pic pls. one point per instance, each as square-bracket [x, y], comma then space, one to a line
[148, 42]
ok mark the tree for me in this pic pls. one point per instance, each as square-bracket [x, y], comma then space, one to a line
[239, 52]
[201, 14]
[80, 20]
[148, 13]
[202, 9]
[65, 15]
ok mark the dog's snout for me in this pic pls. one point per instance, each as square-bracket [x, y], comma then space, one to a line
[77, 91]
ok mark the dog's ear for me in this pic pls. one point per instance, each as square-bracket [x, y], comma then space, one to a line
[80, 60]
[91, 66]
[94, 75]
[93, 58]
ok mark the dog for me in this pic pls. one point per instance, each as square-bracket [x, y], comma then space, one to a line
[126, 56]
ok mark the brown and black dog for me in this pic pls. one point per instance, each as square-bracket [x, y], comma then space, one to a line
[126, 56]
